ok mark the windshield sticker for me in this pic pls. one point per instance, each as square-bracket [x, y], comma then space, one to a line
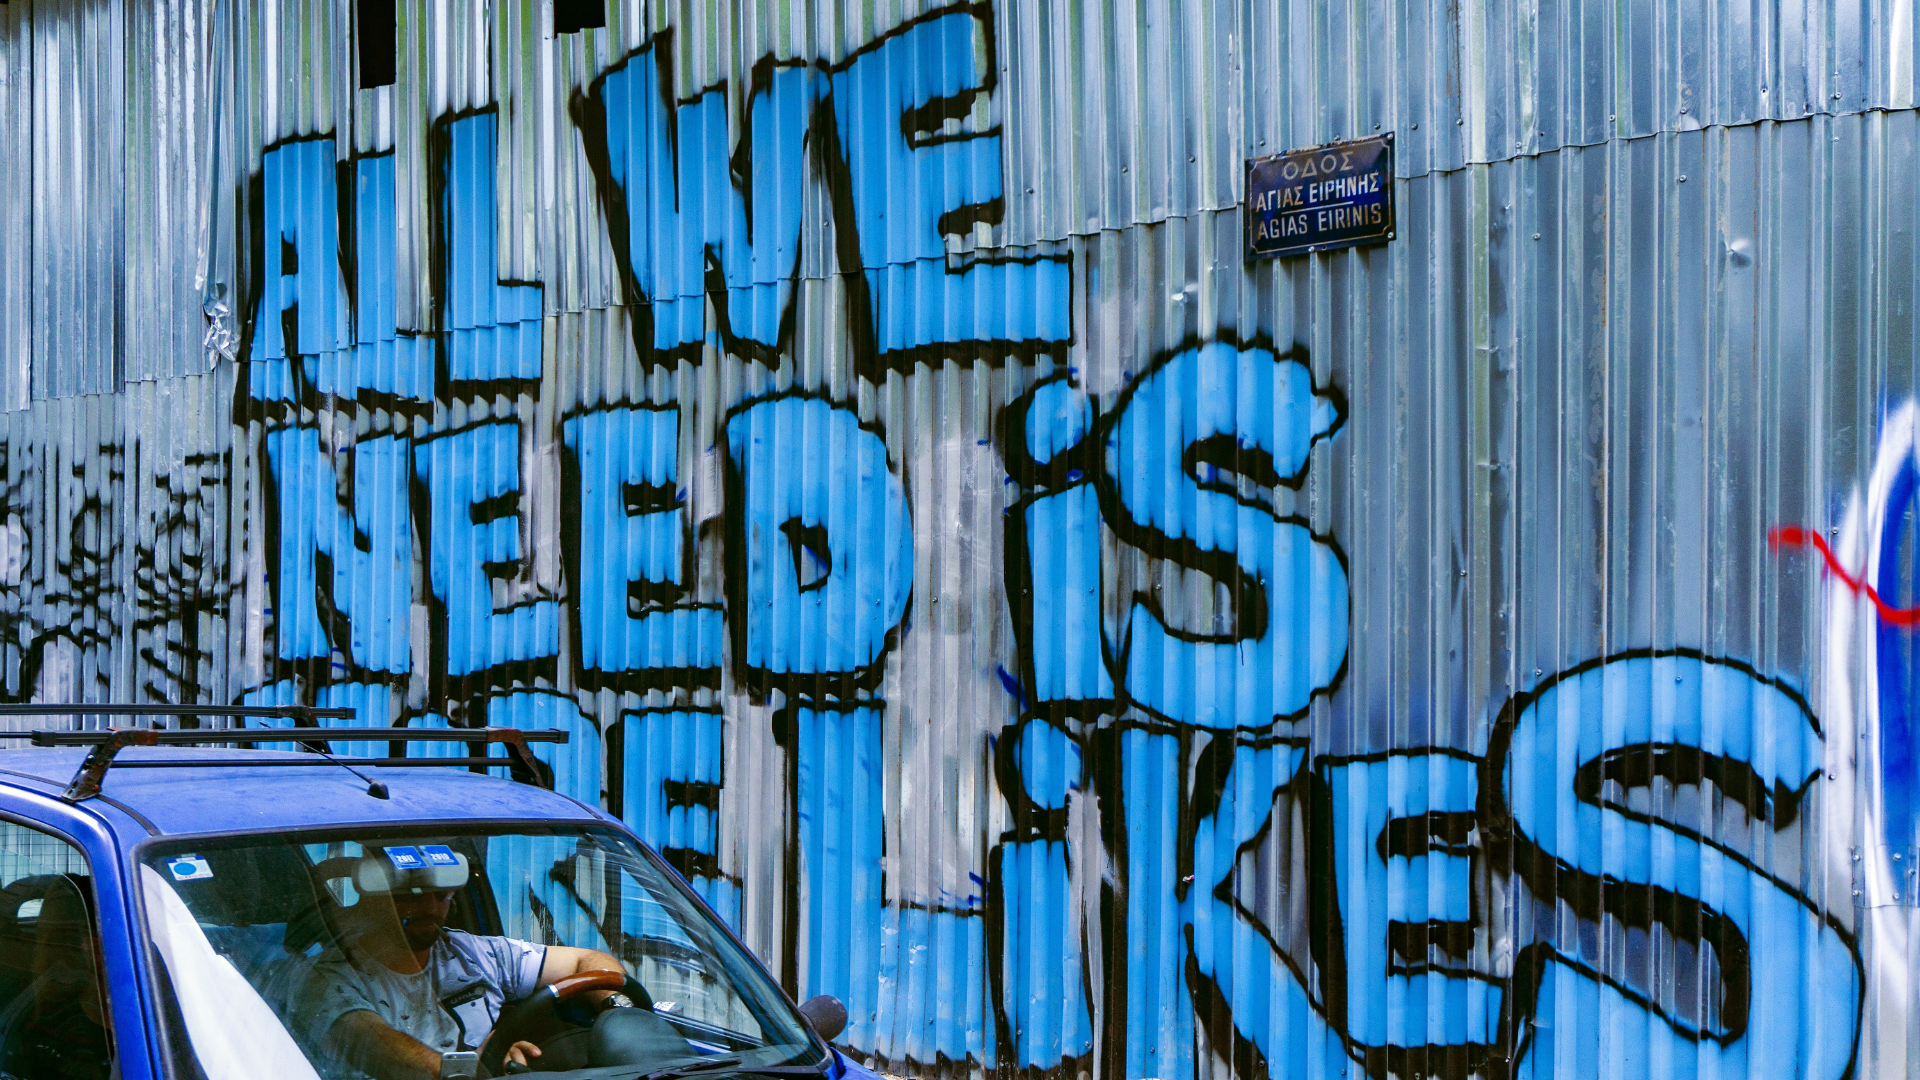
[189, 868]
[439, 855]
[405, 858]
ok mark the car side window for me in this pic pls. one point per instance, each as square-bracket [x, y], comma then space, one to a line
[53, 1017]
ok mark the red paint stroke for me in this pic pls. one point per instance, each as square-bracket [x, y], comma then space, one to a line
[1794, 536]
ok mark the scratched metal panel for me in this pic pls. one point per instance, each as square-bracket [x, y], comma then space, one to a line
[79, 257]
[168, 186]
[16, 234]
[1130, 112]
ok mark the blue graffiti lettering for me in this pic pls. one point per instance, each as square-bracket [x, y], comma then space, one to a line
[1200, 447]
[305, 303]
[629, 552]
[1573, 762]
[820, 556]
[675, 767]
[365, 590]
[923, 167]
[902, 1003]
[696, 208]
[492, 328]
[1043, 1011]
[472, 479]
[1055, 540]
[1415, 948]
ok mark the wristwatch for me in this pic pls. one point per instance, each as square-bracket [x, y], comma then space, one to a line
[618, 1000]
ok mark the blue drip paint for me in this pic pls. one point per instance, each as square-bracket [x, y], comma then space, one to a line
[1897, 666]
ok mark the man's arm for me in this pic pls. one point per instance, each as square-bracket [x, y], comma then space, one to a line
[565, 960]
[369, 1045]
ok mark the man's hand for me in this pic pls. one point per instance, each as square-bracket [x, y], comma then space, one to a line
[522, 1053]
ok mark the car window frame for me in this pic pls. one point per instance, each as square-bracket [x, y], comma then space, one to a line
[825, 1061]
[126, 1004]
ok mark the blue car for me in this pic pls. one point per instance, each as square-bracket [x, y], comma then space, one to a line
[233, 911]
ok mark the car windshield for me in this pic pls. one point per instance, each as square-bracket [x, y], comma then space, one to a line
[356, 953]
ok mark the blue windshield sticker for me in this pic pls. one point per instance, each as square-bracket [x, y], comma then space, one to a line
[439, 855]
[405, 858]
[189, 868]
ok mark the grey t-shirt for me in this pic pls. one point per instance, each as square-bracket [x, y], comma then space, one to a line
[449, 1005]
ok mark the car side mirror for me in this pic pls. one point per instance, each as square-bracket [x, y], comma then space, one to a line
[825, 1015]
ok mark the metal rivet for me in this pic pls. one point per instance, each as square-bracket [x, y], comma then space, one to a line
[1683, 177]
[1536, 236]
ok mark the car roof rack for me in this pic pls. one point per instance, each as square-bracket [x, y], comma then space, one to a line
[106, 743]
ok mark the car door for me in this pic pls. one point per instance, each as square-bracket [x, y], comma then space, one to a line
[69, 993]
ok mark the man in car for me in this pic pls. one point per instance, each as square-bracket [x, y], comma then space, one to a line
[405, 989]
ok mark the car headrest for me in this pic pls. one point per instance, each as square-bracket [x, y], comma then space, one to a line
[409, 869]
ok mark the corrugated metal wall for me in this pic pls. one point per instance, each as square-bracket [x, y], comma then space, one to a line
[1089, 653]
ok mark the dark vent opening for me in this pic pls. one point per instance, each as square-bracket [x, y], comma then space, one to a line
[379, 49]
[572, 16]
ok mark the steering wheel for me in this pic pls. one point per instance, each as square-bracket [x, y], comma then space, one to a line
[528, 1013]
